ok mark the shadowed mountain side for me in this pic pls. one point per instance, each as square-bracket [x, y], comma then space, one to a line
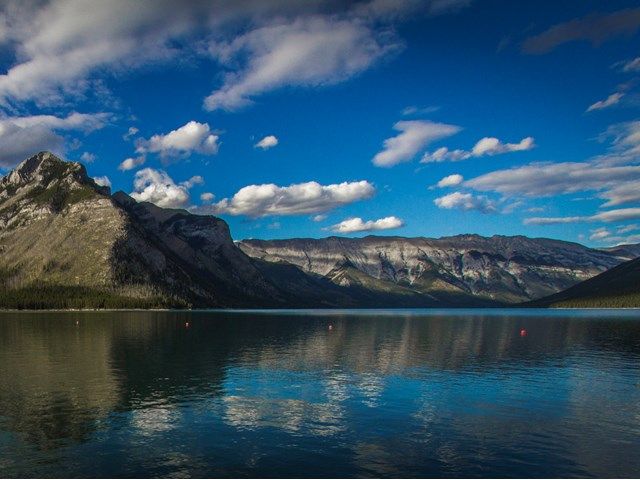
[615, 288]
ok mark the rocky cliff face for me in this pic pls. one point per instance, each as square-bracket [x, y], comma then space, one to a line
[457, 269]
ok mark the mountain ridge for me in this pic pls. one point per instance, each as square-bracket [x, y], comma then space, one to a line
[67, 242]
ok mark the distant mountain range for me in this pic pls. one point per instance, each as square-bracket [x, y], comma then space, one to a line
[464, 269]
[66, 242]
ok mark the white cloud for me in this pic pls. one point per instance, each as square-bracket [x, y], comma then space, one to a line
[599, 234]
[66, 47]
[465, 201]
[103, 181]
[627, 192]
[450, 181]
[414, 136]
[88, 157]
[207, 197]
[414, 110]
[319, 218]
[302, 198]
[631, 65]
[609, 216]
[616, 240]
[21, 137]
[130, 133]
[267, 142]
[195, 180]
[307, 51]
[485, 146]
[552, 220]
[612, 99]
[62, 42]
[546, 179]
[157, 187]
[628, 228]
[356, 224]
[191, 137]
[131, 163]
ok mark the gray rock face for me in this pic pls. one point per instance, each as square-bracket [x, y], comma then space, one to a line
[504, 269]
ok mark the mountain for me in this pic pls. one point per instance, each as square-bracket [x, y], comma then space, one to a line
[463, 269]
[624, 252]
[66, 242]
[615, 288]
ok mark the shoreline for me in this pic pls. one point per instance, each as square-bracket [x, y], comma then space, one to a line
[327, 310]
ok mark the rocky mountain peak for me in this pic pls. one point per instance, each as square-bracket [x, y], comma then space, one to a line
[43, 170]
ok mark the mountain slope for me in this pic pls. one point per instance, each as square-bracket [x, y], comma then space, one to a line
[61, 232]
[460, 269]
[615, 288]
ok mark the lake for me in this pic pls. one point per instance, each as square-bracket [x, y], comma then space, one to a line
[438, 393]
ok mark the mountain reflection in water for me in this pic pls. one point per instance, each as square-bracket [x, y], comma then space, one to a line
[406, 393]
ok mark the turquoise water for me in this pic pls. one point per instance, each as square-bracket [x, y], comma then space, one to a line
[320, 393]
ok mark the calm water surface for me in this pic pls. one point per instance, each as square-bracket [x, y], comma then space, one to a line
[393, 393]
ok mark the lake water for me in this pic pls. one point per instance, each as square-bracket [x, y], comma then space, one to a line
[317, 393]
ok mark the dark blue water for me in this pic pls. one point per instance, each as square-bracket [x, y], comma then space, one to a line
[281, 394]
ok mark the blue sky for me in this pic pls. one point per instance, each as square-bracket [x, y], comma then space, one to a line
[307, 119]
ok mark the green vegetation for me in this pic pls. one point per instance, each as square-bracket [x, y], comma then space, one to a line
[60, 196]
[630, 300]
[615, 288]
[41, 297]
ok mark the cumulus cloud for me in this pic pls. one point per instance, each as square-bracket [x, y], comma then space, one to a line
[191, 137]
[157, 187]
[267, 142]
[595, 28]
[102, 181]
[450, 181]
[612, 99]
[319, 218]
[485, 146]
[609, 216]
[21, 137]
[414, 136]
[356, 224]
[207, 197]
[465, 201]
[302, 198]
[131, 163]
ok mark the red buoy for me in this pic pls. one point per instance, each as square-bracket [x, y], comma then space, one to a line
[186, 324]
[330, 327]
[523, 332]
